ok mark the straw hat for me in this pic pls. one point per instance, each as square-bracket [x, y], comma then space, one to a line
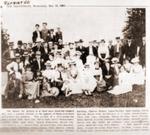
[114, 60]
[48, 63]
[135, 60]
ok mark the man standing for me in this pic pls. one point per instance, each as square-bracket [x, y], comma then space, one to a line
[111, 49]
[45, 32]
[51, 36]
[82, 49]
[38, 63]
[19, 49]
[91, 50]
[118, 49]
[129, 49]
[37, 35]
[58, 35]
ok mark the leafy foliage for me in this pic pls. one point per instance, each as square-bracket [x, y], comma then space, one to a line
[135, 24]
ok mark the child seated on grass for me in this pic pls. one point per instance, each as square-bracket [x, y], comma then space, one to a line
[48, 91]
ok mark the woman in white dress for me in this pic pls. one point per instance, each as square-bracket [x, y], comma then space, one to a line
[78, 61]
[115, 68]
[125, 85]
[137, 72]
[89, 83]
[49, 72]
[73, 85]
[91, 59]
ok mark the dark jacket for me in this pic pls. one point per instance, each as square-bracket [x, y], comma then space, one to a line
[129, 51]
[58, 36]
[35, 35]
[94, 51]
[35, 67]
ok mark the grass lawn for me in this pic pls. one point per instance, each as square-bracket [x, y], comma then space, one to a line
[136, 98]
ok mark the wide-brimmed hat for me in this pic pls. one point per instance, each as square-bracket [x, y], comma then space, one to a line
[38, 53]
[59, 51]
[17, 55]
[86, 65]
[135, 60]
[25, 53]
[72, 63]
[48, 63]
[114, 60]
[78, 53]
[107, 60]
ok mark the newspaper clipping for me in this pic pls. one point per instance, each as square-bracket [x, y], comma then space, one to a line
[74, 67]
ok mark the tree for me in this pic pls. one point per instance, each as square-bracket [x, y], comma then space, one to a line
[135, 24]
[4, 40]
[4, 48]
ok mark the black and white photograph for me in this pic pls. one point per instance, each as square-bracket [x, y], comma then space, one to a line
[73, 57]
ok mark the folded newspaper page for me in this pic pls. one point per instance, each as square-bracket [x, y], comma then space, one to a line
[75, 67]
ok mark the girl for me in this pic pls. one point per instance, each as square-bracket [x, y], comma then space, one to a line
[115, 68]
[88, 81]
[101, 84]
[73, 85]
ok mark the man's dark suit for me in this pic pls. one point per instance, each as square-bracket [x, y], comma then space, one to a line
[58, 36]
[35, 66]
[35, 35]
[44, 54]
[35, 49]
[95, 53]
[83, 53]
[129, 51]
[51, 38]
[19, 50]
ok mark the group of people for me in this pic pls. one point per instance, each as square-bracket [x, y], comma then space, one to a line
[48, 67]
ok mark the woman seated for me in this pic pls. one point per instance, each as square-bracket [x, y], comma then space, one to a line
[108, 74]
[58, 76]
[31, 88]
[115, 68]
[73, 85]
[127, 65]
[49, 73]
[137, 72]
[97, 72]
[88, 81]
[125, 83]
